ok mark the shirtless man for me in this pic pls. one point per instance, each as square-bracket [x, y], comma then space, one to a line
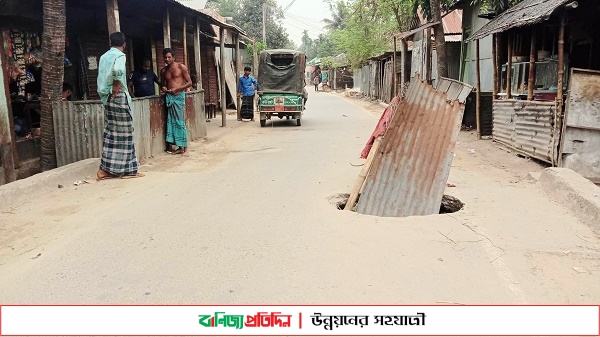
[175, 80]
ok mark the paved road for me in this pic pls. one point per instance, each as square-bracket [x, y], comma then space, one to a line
[246, 220]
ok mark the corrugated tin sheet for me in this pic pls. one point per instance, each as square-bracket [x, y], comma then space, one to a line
[527, 12]
[452, 21]
[78, 130]
[79, 127]
[409, 174]
[525, 126]
[580, 147]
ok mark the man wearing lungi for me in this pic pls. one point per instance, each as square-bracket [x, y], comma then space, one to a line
[247, 89]
[118, 150]
[175, 80]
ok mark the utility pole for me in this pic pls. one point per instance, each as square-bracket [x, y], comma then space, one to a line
[264, 22]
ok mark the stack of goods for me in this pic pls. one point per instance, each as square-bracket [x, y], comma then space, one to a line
[21, 44]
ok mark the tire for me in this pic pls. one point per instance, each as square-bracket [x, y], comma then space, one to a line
[298, 122]
[263, 122]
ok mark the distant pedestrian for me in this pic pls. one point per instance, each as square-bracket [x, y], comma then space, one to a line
[247, 90]
[118, 151]
[316, 82]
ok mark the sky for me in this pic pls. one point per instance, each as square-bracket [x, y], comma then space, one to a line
[302, 15]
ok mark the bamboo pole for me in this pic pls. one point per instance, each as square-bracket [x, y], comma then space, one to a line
[185, 48]
[561, 62]
[495, 65]
[167, 29]
[198, 55]
[558, 116]
[238, 68]
[498, 62]
[532, 56]
[395, 73]
[112, 16]
[363, 175]
[509, 68]
[478, 93]
[223, 84]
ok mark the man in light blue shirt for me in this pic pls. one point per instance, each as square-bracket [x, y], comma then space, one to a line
[246, 90]
[118, 151]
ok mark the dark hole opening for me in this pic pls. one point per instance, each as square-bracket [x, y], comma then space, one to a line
[449, 204]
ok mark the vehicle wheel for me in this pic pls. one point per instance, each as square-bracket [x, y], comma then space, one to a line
[287, 117]
[298, 122]
[263, 122]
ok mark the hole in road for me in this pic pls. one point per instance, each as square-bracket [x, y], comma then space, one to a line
[449, 204]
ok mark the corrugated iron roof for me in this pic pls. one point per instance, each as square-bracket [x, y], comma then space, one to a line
[527, 12]
[451, 20]
[412, 164]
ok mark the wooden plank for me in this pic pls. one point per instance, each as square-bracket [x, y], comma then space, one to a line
[478, 93]
[223, 78]
[532, 56]
[185, 48]
[238, 68]
[362, 176]
[154, 63]
[112, 16]
[197, 55]
[167, 29]
[230, 79]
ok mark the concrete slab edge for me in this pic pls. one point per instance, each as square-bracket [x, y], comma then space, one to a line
[571, 189]
[65, 176]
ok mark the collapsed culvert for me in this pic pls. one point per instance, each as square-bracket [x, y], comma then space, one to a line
[449, 204]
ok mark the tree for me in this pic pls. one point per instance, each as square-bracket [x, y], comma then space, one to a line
[53, 56]
[226, 8]
[248, 15]
[440, 39]
[339, 14]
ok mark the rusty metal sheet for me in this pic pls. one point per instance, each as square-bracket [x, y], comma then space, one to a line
[503, 121]
[525, 126]
[526, 12]
[78, 128]
[580, 141]
[410, 171]
[141, 127]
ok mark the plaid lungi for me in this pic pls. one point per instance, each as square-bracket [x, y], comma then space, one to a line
[118, 150]
[247, 108]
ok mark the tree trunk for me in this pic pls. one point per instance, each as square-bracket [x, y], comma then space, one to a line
[440, 42]
[53, 56]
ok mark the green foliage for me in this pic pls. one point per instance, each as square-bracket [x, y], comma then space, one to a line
[327, 62]
[248, 15]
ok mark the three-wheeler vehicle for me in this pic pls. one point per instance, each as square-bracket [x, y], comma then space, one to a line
[281, 85]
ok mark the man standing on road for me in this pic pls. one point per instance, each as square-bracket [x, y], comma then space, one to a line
[118, 150]
[175, 80]
[141, 83]
[247, 90]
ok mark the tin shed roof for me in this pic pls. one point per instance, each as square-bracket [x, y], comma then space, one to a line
[527, 12]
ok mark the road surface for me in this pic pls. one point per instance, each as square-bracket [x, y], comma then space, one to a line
[246, 219]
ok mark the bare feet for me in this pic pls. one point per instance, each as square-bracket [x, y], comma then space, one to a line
[103, 175]
[181, 150]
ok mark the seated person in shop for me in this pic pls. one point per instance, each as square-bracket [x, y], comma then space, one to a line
[33, 88]
[141, 83]
[67, 90]
[14, 73]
